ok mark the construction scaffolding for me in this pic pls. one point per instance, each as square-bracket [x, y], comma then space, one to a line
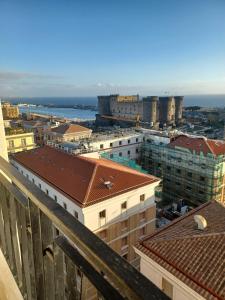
[123, 161]
[187, 175]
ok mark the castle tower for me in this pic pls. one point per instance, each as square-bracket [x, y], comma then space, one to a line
[3, 144]
[178, 108]
[167, 110]
[104, 105]
[150, 109]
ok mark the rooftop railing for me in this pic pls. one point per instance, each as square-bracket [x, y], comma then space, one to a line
[53, 256]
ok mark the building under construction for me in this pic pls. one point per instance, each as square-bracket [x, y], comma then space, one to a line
[152, 109]
[192, 168]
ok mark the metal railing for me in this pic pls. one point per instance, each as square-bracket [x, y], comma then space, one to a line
[53, 256]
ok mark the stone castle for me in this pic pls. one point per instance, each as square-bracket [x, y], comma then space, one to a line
[151, 109]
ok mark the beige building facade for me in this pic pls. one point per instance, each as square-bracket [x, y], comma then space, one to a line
[118, 210]
[9, 111]
[20, 142]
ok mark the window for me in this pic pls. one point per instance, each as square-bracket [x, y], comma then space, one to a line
[128, 141]
[64, 205]
[137, 150]
[177, 183]
[33, 180]
[102, 217]
[168, 168]
[27, 176]
[125, 256]
[178, 171]
[102, 214]
[120, 143]
[101, 146]
[46, 191]
[11, 144]
[124, 206]
[188, 188]
[39, 185]
[189, 174]
[128, 152]
[142, 197]
[23, 142]
[124, 225]
[111, 144]
[167, 288]
[55, 198]
[22, 172]
[143, 231]
[202, 178]
[76, 214]
[142, 216]
[111, 155]
[124, 241]
[136, 140]
[201, 192]
[120, 154]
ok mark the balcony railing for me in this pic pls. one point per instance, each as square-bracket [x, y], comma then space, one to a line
[53, 256]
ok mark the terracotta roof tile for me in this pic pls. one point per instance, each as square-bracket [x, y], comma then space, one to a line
[82, 178]
[199, 144]
[196, 257]
[69, 128]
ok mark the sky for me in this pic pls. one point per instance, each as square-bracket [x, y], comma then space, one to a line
[92, 47]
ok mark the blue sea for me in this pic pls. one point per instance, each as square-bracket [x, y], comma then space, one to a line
[70, 113]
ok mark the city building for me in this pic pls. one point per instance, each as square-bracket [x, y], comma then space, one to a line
[40, 129]
[45, 253]
[192, 167]
[9, 111]
[3, 143]
[113, 201]
[67, 133]
[152, 109]
[186, 258]
[18, 139]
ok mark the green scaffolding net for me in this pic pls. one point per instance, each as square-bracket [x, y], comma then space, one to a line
[123, 161]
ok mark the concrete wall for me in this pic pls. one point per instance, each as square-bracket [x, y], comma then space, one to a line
[113, 206]
[133, 146]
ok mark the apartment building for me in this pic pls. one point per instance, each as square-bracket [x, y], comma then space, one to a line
[18, 139]
[123, 143]
[192, 168]
[68, 132]
[186, 258]
[115, 202]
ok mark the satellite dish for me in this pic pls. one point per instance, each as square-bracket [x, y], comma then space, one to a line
[201, 222]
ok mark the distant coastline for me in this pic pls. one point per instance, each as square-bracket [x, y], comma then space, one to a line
[71, 102]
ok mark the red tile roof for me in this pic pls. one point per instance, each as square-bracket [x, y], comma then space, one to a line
[196, 257]
[81, 178]
[199, 144]
[69, 128]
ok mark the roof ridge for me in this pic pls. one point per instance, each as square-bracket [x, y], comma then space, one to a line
[187, 237]
[186, 274]
[178, 220]
[90, 184]
[210, 148]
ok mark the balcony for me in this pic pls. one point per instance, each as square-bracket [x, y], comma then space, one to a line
[51, 255]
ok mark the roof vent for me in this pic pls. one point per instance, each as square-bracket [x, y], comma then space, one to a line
[201, 222]
[108, 184]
